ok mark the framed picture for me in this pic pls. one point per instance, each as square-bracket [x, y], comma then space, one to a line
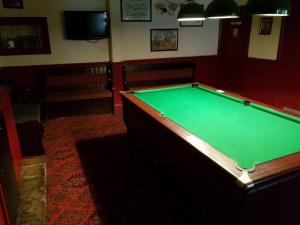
[265, 25]
[18, 4]
[24, 36]
[133, 10]
[164, 39]
[191, 23]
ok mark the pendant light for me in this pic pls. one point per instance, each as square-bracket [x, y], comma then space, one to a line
[191, 11]
[222, 9]
[269, 7]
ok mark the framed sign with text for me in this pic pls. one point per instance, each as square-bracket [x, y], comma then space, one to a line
[136, 10]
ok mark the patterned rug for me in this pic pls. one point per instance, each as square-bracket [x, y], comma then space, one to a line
[32, 206]
[69, 197]
[93, 180]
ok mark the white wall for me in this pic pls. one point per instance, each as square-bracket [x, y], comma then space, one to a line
[131, 40]
[264, 46]
[63, 51]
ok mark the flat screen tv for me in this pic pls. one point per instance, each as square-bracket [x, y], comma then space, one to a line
[86, 25]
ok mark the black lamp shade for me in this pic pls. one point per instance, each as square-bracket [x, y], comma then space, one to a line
[191, 12]
[219, 9]
[269, 7]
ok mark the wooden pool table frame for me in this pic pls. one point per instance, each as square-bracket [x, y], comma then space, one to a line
[283, 166]
[217, 191]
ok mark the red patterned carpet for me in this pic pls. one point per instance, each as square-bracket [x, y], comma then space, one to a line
[69, 197]
[92, 180]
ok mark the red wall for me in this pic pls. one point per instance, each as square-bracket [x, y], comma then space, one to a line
[5, 106]
[288, 81]
[3, 210]
[272, 82]
[277, 82]
[258, 80]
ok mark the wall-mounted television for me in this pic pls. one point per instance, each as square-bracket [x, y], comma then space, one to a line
[86, 25]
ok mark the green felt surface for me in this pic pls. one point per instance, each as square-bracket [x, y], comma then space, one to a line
[248, 134]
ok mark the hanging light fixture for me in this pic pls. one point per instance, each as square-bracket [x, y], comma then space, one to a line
[191, 11]
[222, 9]
[269, 7]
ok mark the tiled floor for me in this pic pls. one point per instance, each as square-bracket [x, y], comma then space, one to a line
[33, 208]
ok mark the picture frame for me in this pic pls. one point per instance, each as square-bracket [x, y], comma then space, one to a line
[198, 23]
[164, 39]
[265, 27]
[136, 11]
[24, 36]
[17, 4]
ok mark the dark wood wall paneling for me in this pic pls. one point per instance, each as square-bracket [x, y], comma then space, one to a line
[30, 77]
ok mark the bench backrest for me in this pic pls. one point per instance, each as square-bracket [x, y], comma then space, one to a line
[145, 75]
[83, 77]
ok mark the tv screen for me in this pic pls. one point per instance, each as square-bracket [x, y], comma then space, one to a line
[86, 25]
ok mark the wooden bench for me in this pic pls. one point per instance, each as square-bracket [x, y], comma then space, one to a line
[145, 75]
[76, 91]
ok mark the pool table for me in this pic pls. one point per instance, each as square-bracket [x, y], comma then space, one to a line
[238, 151]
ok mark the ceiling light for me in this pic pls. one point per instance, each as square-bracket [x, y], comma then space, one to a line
[223, 9]
[191, 11]
[269, 7]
